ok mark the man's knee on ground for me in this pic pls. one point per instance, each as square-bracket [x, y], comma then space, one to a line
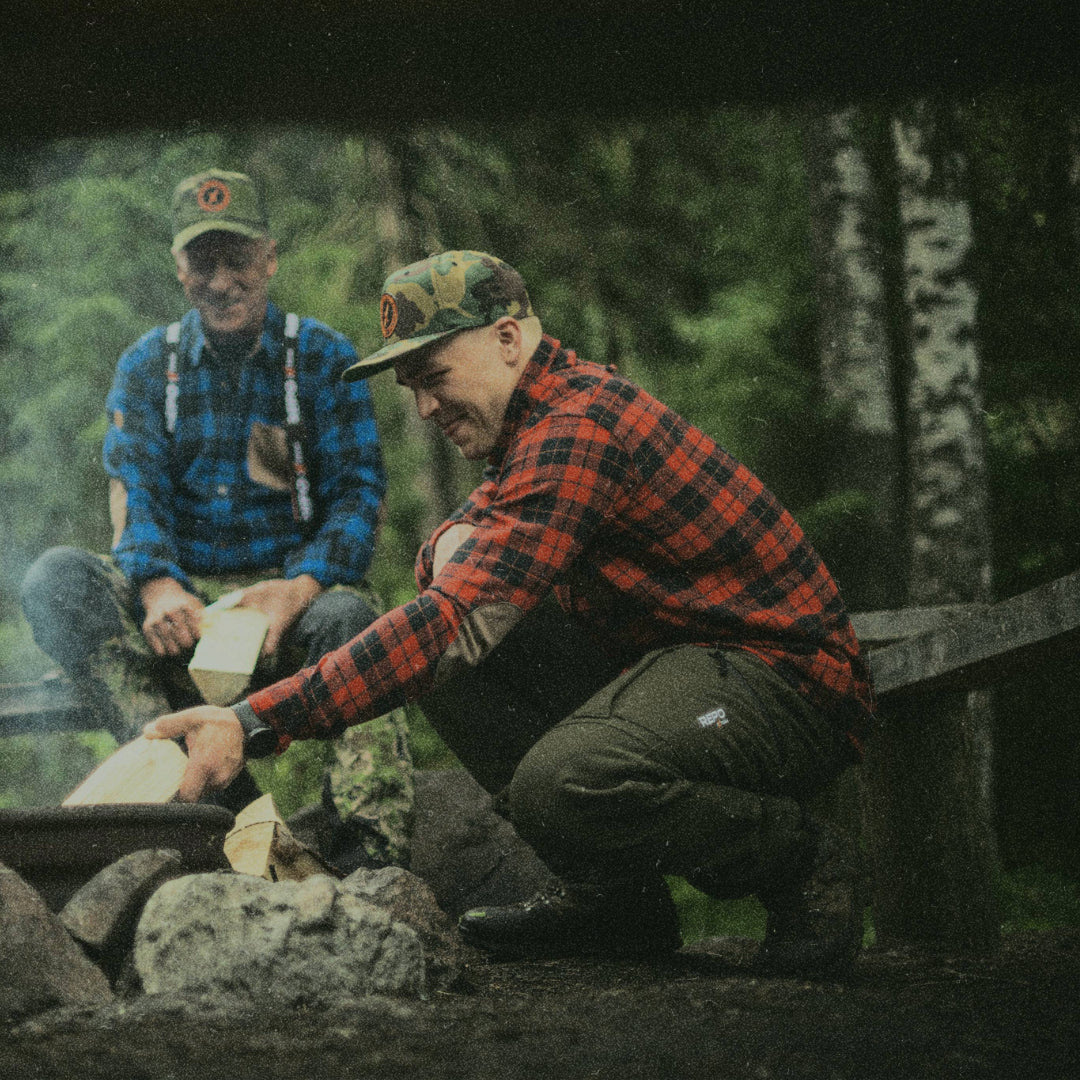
[52, 569]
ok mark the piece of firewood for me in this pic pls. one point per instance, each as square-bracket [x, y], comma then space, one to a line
[261, 844]
[141, 771]
[227, 652]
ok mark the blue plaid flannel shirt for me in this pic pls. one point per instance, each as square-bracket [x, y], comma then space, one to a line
[192, 506]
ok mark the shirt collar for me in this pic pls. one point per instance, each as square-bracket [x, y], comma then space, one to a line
[530, 391]
[270, 342]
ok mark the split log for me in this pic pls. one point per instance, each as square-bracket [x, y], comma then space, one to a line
[141, 771]
[227, 652]
[261, 844]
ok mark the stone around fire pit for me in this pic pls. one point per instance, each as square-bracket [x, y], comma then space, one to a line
[42, 967]
[103, 914]
[409, 900]
[295, 943]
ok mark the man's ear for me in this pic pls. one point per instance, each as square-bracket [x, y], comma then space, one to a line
[271, 258]
[508, 335]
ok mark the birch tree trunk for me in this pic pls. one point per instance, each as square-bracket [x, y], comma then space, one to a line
[856, 353]
[930, 815]
[948, 503]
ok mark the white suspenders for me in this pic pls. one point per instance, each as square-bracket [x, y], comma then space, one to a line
[172, 377]
[303, 509]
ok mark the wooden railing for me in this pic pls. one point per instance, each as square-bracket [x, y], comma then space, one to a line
[45, 705]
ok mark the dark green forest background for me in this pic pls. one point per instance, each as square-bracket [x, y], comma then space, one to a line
[677, 247]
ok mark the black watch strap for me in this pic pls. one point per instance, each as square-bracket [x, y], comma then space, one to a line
[259, 739]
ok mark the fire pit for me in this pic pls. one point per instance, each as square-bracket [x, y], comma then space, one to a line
[58, 849]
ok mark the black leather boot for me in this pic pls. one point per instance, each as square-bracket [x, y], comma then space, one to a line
[815, 919]
[579, 920]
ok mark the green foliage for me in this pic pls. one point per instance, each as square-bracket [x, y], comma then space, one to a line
[295, 778]
[42, 770]
[701, 916]
[1030, 898]
[1028, 227]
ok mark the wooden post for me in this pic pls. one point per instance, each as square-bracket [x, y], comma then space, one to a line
[927, 798]
[928, 823]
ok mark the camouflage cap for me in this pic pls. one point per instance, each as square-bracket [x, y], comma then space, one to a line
[225, 201]
[457, 290]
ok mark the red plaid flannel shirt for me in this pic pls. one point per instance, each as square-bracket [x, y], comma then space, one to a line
[646, 530]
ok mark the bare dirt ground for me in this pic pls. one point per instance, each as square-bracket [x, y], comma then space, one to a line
[904, 1014]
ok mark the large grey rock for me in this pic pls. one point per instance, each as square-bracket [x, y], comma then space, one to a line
[298, 943]
[468, 854]
[42, 967]
[407, 899]
[103, 914]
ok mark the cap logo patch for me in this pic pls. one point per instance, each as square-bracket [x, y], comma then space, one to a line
[213, 195]
[388, 314]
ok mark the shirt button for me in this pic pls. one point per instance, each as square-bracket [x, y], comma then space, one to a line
[223, 489]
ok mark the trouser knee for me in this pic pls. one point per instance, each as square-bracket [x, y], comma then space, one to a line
[577, 798]
[332, 620]
[599, 800]
[70, 604]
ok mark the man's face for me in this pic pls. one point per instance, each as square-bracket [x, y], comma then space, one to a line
[225, 276]
[463, 383]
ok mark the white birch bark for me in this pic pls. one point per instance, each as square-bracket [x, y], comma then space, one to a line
[855, 353]
[929, 773]
[948, 496]
[857, 362]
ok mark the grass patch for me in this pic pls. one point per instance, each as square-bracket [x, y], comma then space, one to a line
[701, 916]
[1034, 898]
[1030, 898]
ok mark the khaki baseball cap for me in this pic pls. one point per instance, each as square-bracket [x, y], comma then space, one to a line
[440, 295]
[216, 199]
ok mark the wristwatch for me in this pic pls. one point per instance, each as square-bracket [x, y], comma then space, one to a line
[259, 740]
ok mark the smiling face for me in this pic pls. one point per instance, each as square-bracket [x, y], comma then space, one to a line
[463, 383]
[225, 276]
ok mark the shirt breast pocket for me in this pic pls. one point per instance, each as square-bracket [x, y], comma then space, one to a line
[268, 457]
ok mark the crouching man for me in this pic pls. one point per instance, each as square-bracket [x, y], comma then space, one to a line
[621, 633]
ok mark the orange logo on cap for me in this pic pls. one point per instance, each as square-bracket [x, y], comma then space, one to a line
[213, 195]
[388, 314]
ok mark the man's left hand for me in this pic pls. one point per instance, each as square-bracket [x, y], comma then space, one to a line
[215, 747]
[282, 602]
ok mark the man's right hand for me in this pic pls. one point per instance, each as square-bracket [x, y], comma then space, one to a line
[173, 617]
[215, 747]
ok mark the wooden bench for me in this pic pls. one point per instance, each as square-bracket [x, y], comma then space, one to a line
[926, 783]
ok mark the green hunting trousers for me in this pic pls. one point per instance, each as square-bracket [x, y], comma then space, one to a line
[83, 614]
[695, 762]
